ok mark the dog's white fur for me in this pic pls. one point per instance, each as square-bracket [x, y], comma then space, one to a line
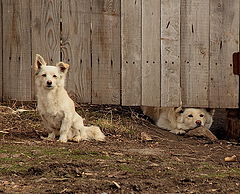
[56, 107]
[179, 120]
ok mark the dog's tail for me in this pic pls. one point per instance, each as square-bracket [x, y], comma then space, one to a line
[94, 132]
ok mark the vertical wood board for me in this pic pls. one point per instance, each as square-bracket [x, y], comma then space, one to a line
[131, 24]
[195, 52]
[170, 53]
[17, 50]
[224, 41]
[106, 51]
[45, 31]
[1, 64]
[75, 47]
[151, 53]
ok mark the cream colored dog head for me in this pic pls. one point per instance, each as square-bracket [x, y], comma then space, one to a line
[190, 118]
[49, 77]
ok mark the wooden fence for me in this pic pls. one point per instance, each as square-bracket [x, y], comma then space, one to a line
[129, 52]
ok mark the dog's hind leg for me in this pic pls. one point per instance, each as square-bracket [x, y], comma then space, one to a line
[77, 128]
[85, 132]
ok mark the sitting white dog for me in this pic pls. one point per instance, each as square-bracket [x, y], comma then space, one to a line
[179, 120]
[56, 107]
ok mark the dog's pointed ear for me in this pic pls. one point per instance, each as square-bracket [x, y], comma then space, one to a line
[211, 111]
[179, 109]
[63, 67]
[39, 62]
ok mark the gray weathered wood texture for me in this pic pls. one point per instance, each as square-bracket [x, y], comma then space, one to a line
[1, 64]
[224, 41]
[131, 31]
[194, 52]
[151, 76]
[106, 51]
[17, 49]
[46, 29]
[170, 53]
[75, 47]
[130, 52]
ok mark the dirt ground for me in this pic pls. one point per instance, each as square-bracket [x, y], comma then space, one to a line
[125, 163]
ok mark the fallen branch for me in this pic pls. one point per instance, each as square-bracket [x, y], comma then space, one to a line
[202, 132]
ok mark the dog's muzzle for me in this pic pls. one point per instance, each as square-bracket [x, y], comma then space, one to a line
[198, 123]
[49, 84]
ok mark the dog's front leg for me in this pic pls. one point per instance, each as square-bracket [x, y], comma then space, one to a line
[51, 131]
[65, 127]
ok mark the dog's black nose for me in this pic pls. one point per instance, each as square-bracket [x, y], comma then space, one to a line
[49, 83]
[198, 122]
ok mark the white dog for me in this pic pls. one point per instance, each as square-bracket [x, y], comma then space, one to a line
[179, 120]
[56, 107]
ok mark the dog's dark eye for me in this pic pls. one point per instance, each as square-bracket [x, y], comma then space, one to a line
[54, 76]
[201, 115]
[44, 75]
[190, 115]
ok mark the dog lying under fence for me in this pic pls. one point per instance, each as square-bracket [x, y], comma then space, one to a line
[179, 120]
[56, 107]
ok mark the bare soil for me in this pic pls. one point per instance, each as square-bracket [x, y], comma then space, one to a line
[127, 162]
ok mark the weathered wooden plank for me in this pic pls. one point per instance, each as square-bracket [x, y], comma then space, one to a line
[224, 41]
[131, 51]
[46, 31]
[151, 53]
[106, 51]
[1, 64]
[194, 52]
[75, 47]
[17, 50]
[170, 53]
[232, 130]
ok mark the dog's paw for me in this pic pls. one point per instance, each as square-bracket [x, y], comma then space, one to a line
[47, 138]
[94, 132]
[178, 132]
[77, 138]
[181, 132]
[100, 137]
[63, 138]
[51, 136]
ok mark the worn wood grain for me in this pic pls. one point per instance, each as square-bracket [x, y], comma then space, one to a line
[17, 50]
[224, 41]
[1, 64]
[151, 53]
[170, 53]
[46, 30]
[138, 56]
[75, 47]
[131, 25]
[106, 51]
[195, 52]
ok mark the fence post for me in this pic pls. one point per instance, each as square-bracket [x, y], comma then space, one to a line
[233, 115]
